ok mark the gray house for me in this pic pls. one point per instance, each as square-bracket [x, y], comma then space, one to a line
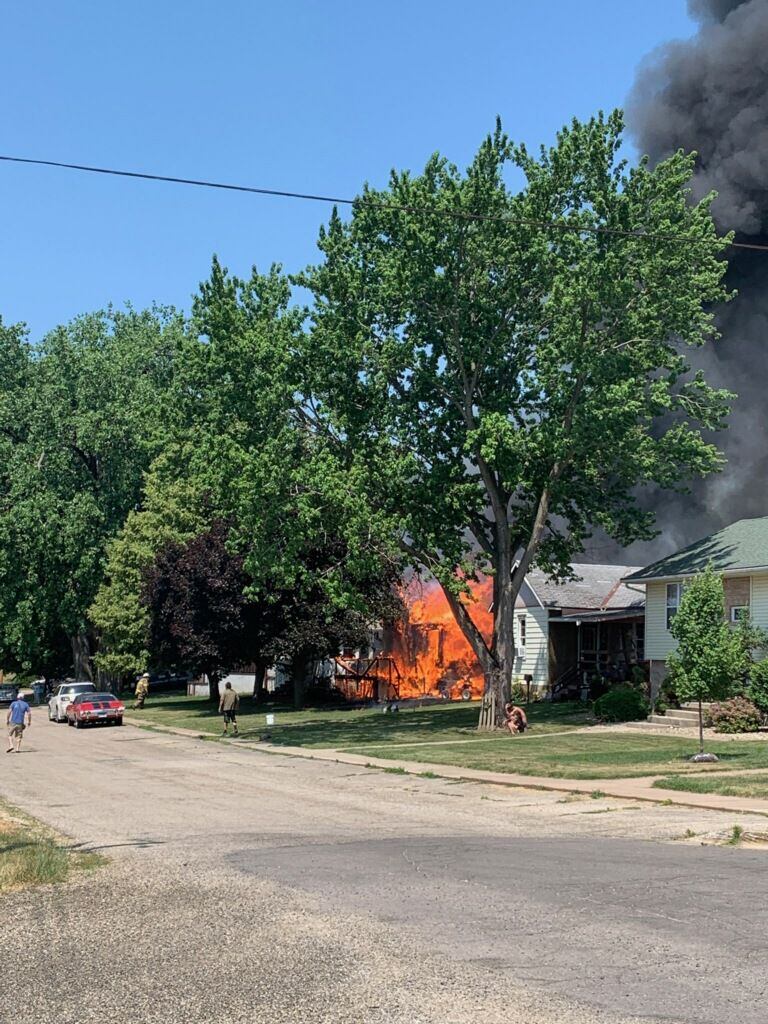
[566, 632]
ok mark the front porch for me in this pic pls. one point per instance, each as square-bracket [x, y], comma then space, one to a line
[590, 650]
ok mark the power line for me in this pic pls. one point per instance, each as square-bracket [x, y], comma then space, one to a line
[339, 201]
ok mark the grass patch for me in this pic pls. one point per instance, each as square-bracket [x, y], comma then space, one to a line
[349, 728]
[587, 755]
[31, 854]
[729, 785]
[736, 835]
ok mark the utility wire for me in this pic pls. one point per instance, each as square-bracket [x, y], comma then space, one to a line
[336, 200]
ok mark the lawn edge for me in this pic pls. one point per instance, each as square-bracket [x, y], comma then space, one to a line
[639, 788]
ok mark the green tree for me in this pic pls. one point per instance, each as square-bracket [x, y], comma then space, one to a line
[312, 544]
[285, 488]
[308, 627]
[240, 450]
[508, 368]
[90, 416]
[27, 634]
[711, 657]
[172, 510]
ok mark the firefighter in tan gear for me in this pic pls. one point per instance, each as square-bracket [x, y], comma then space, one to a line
[142, 690]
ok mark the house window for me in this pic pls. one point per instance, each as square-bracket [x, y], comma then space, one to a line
[674, 593]
[521, 630]
[739, 612]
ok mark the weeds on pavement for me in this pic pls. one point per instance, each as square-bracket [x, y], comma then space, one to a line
[31, 855]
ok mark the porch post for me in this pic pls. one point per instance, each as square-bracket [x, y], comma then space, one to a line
[597, 652]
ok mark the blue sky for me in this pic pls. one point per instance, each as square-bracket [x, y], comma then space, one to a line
[298, 95]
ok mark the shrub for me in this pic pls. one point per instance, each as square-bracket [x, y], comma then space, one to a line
[518, 692]
[621, 704]
[638, 677]
[757, 690]
[735, 715]
[668, 692]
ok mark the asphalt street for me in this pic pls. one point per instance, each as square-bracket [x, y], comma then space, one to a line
[245, 886]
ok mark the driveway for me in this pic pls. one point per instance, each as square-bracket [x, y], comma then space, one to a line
[253, 887]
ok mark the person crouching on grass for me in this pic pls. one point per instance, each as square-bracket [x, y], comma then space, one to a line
[228, 708]
[515, 719]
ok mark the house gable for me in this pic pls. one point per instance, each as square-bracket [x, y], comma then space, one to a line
[738, 549]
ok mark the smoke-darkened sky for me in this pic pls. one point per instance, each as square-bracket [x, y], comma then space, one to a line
[709, 93]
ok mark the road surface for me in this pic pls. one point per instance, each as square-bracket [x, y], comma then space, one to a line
[245, 886]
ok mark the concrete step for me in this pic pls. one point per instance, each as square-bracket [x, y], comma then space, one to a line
[682, 715]
[656, 723]
[669, 723]
[640, 726]
[686, 717]
[692, 705]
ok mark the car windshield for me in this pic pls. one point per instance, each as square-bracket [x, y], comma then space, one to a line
[99, 696]
[81, 688]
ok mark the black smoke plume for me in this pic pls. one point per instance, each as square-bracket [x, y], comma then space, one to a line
[710, 94]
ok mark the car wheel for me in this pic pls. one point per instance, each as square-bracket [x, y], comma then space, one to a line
[76, 722]
[50, 714]
[119, 721]
[69, 721]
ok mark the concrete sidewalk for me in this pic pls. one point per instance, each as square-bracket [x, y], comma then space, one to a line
[625, 789]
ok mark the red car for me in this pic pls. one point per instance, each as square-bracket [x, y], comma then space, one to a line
[90, 708]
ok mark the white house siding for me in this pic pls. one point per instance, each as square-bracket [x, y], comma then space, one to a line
[658, 640]
[536, 660]
[759, 601]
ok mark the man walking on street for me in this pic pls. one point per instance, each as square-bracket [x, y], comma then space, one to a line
[228, 707]
[142, 689]
[18, 719]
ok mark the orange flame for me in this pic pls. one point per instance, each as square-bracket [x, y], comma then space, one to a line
[429, 650]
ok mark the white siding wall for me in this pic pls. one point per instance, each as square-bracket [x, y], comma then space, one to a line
[658, 640]
[759, 601]
[536, 660]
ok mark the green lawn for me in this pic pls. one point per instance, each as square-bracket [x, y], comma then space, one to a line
[581, 756]
[730, 785]
[446, 734]
[345, 728]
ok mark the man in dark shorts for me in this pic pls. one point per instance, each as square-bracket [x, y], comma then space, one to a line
[228, 708]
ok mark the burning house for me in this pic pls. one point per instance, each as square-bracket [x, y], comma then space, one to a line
[565, 635]
[425, 654]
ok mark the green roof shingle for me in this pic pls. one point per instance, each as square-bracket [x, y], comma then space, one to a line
[742, 545]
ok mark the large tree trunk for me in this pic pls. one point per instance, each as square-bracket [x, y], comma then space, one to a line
[213, 687]
[260, 681]
[503, 644]
[299, 669]
[492, 669]
[81, 656]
